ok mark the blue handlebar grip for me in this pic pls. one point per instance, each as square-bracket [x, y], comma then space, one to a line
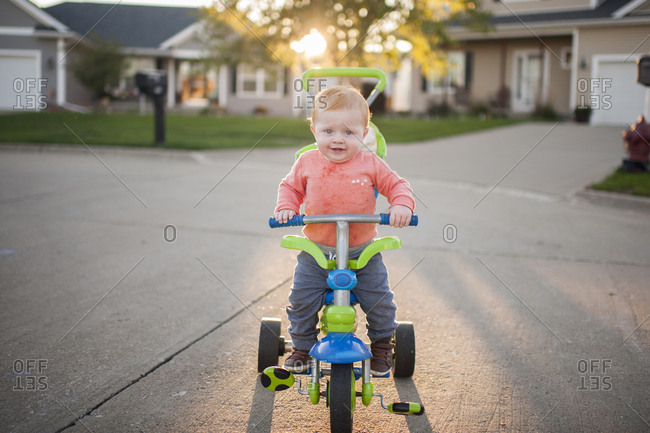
[385, 220]
[295, 221]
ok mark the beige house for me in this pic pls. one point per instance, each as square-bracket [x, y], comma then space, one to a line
[557, 54]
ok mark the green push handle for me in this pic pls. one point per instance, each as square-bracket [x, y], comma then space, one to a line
[406, 408]
[348, 72]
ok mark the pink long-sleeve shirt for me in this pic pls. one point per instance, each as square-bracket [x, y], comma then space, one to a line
[327, 187]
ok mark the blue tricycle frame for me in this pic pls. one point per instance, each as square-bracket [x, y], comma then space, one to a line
[340, 347]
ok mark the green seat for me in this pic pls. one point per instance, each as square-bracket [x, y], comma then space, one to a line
[303, 244]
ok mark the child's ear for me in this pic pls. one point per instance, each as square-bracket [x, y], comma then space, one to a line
[311, 127]
[366, 131]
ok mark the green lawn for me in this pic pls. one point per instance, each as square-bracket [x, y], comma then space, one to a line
[207, 132]
[626, 183]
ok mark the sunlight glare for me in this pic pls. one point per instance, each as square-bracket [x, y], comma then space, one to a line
[312, 45]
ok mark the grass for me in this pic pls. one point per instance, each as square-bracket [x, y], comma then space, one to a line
[627, 183]
[207, 132]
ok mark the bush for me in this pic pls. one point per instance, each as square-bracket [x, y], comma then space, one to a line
[582, 114]
[545, 112]
[442, 109]
[480, 110]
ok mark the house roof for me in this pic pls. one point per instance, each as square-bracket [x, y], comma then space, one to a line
[132, 26]
[606, 9]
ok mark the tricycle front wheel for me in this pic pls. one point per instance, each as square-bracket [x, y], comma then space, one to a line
[341, 396]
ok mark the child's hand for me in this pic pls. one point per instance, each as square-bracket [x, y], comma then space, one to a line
[282, 216]
[400, 216]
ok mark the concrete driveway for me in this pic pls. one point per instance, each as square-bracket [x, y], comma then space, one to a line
[132, 283]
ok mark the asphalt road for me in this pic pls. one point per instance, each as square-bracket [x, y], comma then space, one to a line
[132, 283]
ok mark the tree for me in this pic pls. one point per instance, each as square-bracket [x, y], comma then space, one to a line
[357, 32]
[98, 65]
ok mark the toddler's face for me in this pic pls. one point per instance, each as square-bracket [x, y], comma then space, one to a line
[339, 133]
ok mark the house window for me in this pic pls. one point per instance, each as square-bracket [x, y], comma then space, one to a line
[260, 82]
[453, 78]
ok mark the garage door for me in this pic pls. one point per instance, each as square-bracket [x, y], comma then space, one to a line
[19, 78]
[619, 99]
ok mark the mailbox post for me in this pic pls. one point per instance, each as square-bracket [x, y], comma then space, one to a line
[154, 84]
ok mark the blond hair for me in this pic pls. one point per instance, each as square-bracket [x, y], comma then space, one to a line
[340, 98]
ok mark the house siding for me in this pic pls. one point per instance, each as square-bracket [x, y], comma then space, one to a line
[488, 75]
[560, 76]
[630, 42]
[12, 16]
[47, 68]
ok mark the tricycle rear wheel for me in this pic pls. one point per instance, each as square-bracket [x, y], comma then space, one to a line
[271, 344]
[404, 352]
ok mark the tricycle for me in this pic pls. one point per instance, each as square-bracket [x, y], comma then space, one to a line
[340, 347]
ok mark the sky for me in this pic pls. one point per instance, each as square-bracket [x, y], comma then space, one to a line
[186, 3]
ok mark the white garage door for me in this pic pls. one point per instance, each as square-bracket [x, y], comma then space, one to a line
[19, 78]
[619, 99]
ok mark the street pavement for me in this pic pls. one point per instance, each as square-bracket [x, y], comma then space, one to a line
[132, 283]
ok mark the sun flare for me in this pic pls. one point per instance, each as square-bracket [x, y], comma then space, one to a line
[311, 45]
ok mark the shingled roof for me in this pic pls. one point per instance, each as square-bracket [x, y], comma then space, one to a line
[605, 10]
[132, 26]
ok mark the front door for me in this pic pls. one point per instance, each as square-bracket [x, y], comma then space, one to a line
[527, 80]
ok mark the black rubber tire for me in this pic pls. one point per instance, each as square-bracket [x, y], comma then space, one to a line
[270, 344]
[404, 352]
[341, 398]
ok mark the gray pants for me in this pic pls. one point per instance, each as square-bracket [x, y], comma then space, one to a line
[308, 296]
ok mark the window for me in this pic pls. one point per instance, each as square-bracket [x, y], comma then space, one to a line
[451, 79]
[260, 82]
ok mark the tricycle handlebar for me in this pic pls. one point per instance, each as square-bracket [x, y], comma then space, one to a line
[300, 220]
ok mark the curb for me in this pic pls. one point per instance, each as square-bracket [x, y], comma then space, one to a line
[616, 200]
[98, 149]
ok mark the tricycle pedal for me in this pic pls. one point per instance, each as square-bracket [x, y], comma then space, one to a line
[405, 408]
[276, 378]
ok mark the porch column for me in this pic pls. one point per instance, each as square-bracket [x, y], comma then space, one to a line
[171, 82]
[224, 74]
[60, 72]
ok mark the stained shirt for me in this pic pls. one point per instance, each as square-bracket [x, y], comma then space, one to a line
[327, 187]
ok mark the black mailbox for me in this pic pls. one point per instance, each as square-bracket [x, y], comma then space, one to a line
[643, 70]
[154, 84]
[151, 83]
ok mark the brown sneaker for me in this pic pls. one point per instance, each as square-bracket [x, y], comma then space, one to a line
[382, 358]
[298, 362]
